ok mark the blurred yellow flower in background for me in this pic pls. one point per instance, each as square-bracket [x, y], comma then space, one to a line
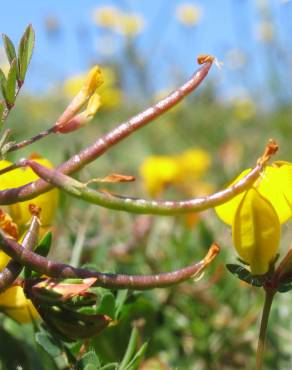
[131, 24]
[192, 164]
[126, 23]
[106, 16]
[244, 108]
[189, 14]
[157, 172]
[183, 171]
[265, 31]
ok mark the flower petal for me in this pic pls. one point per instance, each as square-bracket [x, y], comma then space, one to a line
[226, 212]
[276, 186]
[256, 232]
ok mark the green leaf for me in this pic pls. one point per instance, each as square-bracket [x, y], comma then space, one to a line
[89, 361]
[2, 107]
[42, 249]
[48, 343]
[111, 366]
[3, 83]
[130, 349]
[120, 301]
[137, 359]
[107, 305]
[9, 48]
[25, 51]
[44, 246]
[283, 288]
[11, 83]
[244, 275]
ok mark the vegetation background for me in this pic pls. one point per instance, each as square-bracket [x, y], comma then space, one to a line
[213, 323]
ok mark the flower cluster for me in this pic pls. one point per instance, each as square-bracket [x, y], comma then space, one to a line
[257, 214]
[184, 171]
[113, 18]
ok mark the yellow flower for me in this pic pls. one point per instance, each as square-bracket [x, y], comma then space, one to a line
[193, 164]
[106, 16]
[13, 301]
[244, 108]
[20, 211]
[110, 95]
[256, 232]
[256, 215]
[265, 31]
[189, 14]
[183, 171]
[130, 24]
[15, 305]
[157, 172]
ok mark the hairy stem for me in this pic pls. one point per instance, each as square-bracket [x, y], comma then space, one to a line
[116, 281]
[11, 272]
[142, 206]
[100, 146]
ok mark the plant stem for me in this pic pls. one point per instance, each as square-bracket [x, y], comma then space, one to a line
[269, 295]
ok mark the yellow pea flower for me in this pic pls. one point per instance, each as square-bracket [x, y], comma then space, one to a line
[15, 305]
[256, 231]
[182, 170]
[157, 172]
[13, 301]
[256, 215]
[275, 184]
[20, 211]
[189, 14]
[193, 164]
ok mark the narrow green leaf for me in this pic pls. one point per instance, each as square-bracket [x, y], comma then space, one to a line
[130, 349]
[244, 275]
[44, 246]
[283, 288]
[2, 107]
[48, 343]
[111, 366]
[88, 359]
[25, 51]
[107, 305]
[3, 83]
[9, 48]
[120, 301]
[137, 359]
[42, 249]
[11, 83]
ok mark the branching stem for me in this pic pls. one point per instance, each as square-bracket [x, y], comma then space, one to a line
[116, 281]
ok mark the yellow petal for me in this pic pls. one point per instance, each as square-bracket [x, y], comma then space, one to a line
[4, 259]
[256, 232]
[226, 212]
[275, 184]
[47, 202]
[14, 304]
[157, 172]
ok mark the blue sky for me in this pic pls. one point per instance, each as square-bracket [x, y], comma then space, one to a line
[168, 46]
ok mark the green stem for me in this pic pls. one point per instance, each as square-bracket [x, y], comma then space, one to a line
[269, 296]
